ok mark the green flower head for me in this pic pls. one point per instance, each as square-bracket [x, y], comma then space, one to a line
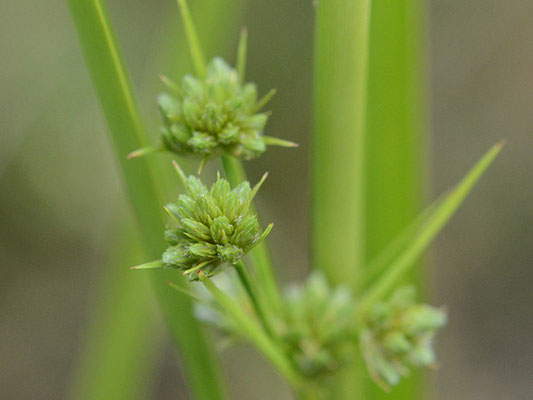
[399, 334]
[218, 114]
[212, 226]
[318, 325]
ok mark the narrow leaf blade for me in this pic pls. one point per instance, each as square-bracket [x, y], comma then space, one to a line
[380, 262]
[241, 55]
[150, 265]
[396, 270]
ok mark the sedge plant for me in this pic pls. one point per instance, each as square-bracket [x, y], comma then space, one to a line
[352, 320]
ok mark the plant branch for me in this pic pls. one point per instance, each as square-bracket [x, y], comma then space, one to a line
[255, 334]
[246, 281]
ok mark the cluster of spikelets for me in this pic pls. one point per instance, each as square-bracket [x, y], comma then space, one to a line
[206, 117]
[399, 334]
[321, 329]
[318, 325]
[212, 226]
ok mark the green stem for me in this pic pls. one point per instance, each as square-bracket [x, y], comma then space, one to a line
[127, 133]
[341, 55]
[338, 148]
[396, 145]
[259, 254]
[255, 334]
[246, 281]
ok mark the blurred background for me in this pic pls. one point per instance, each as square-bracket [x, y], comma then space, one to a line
[62, 205]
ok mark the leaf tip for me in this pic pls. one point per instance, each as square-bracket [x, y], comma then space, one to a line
[274, 141]
[138, 153]
[180, 172]
[501, 144]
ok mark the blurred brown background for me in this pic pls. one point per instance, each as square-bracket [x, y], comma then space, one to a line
[61, 197]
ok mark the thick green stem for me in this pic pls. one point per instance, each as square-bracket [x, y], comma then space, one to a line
[259, 254]
[127, 134]
[341, 55]
[338, 148]
[396, 140]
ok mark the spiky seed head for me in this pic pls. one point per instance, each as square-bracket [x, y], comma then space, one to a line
[317, 323]
[212, 226]
[218, 114]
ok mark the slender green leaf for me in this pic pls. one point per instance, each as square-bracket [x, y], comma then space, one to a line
[241, 55]
[150, 265]
[273, 141]
[197, 54]
[262, 102]
[383, 259]
[127, 134]
[397, 269]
